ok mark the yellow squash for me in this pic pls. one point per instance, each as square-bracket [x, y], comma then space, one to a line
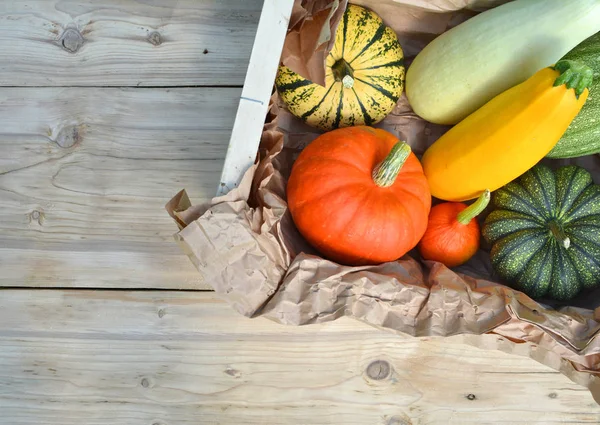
[508, 135]
[363, 81]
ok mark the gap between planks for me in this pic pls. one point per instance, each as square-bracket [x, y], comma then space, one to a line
[67, 288]
[205, 86]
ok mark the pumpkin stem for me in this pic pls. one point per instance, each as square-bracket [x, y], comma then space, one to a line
[574, 74]
[385, 173]
[342, 71]
[473, 210]
[559, 234]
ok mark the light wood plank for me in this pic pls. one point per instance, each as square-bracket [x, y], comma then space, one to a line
[85, 174]
[102, 357]
[126, 42]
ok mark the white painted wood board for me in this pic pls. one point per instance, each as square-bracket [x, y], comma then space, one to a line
[258, 86]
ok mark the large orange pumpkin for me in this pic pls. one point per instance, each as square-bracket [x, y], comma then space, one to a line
[359, 196]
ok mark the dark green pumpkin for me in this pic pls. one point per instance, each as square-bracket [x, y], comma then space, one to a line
[545, 232]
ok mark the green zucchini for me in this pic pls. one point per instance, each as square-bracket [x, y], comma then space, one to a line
[583, 135]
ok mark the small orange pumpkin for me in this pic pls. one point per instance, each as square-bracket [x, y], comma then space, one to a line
[452, 235]
[359, 196]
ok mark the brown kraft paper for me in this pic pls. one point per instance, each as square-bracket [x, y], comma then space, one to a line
[246, 247]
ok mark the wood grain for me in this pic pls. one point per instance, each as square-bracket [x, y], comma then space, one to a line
[126, 42]
[85, 174]
[100, 357]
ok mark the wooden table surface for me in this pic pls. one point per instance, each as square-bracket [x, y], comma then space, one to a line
[107, 109]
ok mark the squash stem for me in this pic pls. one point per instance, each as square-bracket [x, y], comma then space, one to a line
[559, 234]
[385, 173]
[473, 210]
[574, 74]
[342, 71]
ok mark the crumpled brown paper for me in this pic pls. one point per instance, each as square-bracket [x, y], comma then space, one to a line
[246, 246]
[309, 38]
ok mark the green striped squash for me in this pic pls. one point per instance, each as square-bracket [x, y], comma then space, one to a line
[583, 135]
[545, 232]
[363, 81]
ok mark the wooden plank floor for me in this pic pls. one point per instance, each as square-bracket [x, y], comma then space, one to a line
[86, 168]
[86, 172]
[107, 109]
[126, 42]
[184, 358]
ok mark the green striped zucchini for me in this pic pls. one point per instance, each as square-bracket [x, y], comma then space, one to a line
[363, 81]
[545, 232]
[583, 135]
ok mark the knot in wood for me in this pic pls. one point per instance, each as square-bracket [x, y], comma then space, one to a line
[146, 383]
[233, 372]
[471, 397]
[71, 40]
[36, 216]
[378, 370]
[161, 313]
[399, 420]
[68, 136]
[154, 38]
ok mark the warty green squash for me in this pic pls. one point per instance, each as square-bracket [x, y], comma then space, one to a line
[545, 232]
[583, 135]
[364, 76]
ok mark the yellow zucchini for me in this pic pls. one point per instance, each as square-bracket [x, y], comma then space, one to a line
[508, 135]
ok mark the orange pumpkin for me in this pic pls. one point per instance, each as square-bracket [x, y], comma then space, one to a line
[452, 235]
[359, 196]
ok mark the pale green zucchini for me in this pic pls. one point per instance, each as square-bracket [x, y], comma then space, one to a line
[470, 64]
